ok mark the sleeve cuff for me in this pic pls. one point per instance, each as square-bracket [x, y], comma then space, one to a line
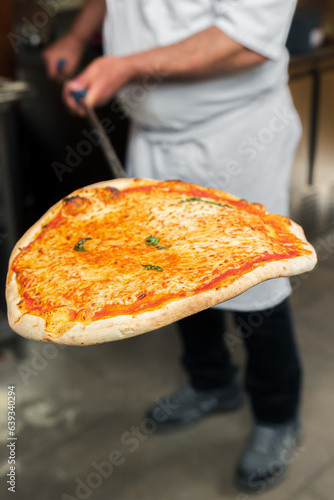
[268, 50]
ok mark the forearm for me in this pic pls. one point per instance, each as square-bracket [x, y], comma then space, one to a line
[205, 54]
[89, 20]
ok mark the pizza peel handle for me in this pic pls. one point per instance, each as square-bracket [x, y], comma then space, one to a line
[61, 63]
[109, 152]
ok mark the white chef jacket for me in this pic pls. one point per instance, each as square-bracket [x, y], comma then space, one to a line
[238, 132]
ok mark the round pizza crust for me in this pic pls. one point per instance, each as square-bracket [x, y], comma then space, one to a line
[125, 326]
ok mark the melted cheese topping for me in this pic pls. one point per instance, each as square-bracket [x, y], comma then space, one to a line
[116, 272]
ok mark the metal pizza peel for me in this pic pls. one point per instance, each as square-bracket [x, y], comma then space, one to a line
[109, 152]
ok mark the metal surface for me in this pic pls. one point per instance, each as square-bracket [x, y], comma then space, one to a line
[110, 154]
[7, 209]
[311, 214]
[13, 91]
[314, 123]
[9, 93]
[9, 193]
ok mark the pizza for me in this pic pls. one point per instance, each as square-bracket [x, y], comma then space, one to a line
[127, 256]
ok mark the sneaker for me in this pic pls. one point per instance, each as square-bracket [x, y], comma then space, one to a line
[267, 456]
[190, 405]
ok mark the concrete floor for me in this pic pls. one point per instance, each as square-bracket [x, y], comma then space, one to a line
[78, 407]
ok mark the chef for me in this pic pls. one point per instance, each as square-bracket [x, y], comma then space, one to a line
[205, 84]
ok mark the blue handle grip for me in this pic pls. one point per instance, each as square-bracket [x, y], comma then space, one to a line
[79, 94]
[61, 63]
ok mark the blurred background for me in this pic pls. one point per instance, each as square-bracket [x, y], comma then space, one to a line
[75, 404]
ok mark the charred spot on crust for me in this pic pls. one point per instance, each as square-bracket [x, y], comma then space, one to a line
[111, 193]
[106, 194]
[72, 199]
[74, 204]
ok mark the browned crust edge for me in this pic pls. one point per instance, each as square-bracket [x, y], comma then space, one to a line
[121, 327]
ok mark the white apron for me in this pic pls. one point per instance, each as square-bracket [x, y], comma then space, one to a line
[237, 133]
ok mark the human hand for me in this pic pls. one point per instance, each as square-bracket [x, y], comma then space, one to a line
[102, 79]
[68, 48]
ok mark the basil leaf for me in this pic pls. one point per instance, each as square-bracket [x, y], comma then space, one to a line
[152, 268]
[163, 248]
[204, 201]
[79, 246]
[152, 240]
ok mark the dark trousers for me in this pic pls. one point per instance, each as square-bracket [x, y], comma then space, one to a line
[273, 371]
